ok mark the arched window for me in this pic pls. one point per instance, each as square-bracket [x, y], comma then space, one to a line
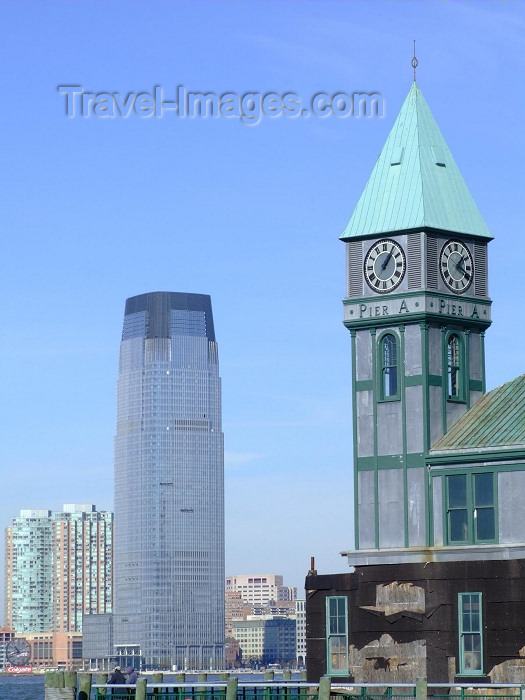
[454, 367]
[389, 380]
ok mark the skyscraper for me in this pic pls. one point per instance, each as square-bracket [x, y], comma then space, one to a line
[57, 568]
[169, 485]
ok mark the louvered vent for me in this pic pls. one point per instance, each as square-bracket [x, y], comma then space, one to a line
[480, 270]
[354, 252]
[414, 261]
[432, 262]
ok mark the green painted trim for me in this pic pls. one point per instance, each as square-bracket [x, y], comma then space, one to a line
[374, 418]
[378, 395]
[396, 319]
[481, 460]
[462, 671]
[354, 432]
[414, 380]
[419, 229]
[431, 380]
[415, 459]
[328, 634]
[412, 460]
[363, 385]
[435, 380]
[470, 505]
[426, 426]
[431, 294]
[444, 379]
[467, 367]
[402, 387]
[483, 376]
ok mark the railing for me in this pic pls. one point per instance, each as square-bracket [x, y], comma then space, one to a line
[64, 685]
[269, 690]
[461, 691]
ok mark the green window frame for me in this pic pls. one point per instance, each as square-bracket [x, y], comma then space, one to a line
[337, 636]
[470, 634]
[389, 367]
[471, 511]
[455, 368]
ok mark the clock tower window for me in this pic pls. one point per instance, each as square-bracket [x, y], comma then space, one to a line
[389, 367]
[455, 369]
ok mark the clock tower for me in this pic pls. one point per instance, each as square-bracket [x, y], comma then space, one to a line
[417, 308]
[436, 587]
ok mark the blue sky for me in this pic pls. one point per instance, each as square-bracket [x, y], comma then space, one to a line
[95, 210]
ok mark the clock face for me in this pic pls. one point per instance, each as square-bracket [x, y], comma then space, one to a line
[384, 266]
[18, 652]
[456, 266]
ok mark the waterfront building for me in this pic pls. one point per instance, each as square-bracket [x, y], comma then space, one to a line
[58, 567]
[265, 639]
[436, 587]
[234, 609]
[57, 650]
[6, 635]
[300, 632]
[169, 486]
[260, 588]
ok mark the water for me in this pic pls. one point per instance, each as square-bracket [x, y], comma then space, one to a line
[32, 687]
[22, 688]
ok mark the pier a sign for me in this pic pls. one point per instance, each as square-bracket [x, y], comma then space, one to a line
[410, 307]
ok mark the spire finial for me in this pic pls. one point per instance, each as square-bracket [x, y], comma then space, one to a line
[414, 61]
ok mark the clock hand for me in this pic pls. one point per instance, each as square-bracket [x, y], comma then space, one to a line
[459, 265]
[383, 266]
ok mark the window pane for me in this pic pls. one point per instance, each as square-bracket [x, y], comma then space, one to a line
[471, 652]
[389, 365]
[338, 653]
[458, 525]
[484, 489]
[453, 366]
[457, 490]
[485, 524]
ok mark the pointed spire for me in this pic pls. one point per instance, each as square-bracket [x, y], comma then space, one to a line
[415, 62]
[415, 182]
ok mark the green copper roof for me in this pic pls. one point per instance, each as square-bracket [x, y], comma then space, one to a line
[495, 422]
[415, 182]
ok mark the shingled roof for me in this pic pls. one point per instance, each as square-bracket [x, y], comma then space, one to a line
[495, 422]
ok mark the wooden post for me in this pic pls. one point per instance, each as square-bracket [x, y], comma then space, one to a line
[231, 688]
[180, 678]
[287, 675]
[201, 690]
[60, 684]
[140, 692]
[421, 689]
[84, 686]
[157, 678]
[224, 676]
[101, 680]
[268, 676]
[70, 680]
[324, 688]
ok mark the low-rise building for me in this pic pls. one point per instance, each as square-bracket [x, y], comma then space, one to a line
[266, 639]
